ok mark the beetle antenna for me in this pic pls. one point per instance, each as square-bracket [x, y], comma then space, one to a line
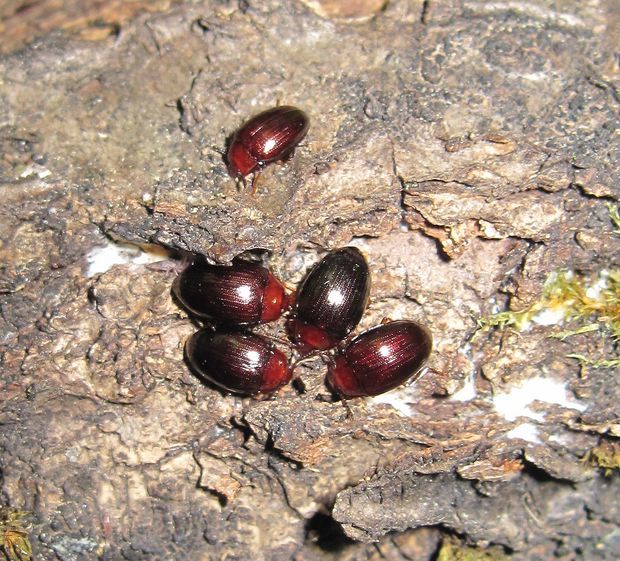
[254, 183]
[218, 150]
[307, 357]
[275, 339]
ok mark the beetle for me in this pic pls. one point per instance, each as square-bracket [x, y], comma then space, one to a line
[243, 293]
[240, 362]
[330, 301]
[267, 137]
[380, 359]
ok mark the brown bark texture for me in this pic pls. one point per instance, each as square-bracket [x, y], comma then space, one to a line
[470, 149]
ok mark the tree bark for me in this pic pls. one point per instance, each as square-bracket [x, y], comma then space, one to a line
[468, 148]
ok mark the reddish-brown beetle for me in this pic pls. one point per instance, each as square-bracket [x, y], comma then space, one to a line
[243, 293]
[380, 359]
[331, 300]
[241, 362]
[267, 137]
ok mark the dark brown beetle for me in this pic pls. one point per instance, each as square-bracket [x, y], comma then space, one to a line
[243, 363]
[380, 359]
[243, 293]
[267, 137]
[331, 300]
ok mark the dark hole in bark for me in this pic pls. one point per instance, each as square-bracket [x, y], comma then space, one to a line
[325, 532]
[273, 451]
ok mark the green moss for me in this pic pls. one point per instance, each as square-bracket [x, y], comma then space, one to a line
[586, 304]
[583, 311]
[614, 216]
[570, 297]
[454, 550]
[606, 456]
[596, 363]
[14, 527]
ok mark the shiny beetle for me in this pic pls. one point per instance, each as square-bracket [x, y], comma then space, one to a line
[243, 293]
[243, 363]
[267, 137]
[331, 300]
[380, 359]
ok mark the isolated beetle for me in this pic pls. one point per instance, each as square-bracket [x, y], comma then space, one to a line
[331, 300]
[240, 362]
[267, 137]
[380, 359]
[243, 293]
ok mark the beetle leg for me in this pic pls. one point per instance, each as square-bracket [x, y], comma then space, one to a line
[171, 264]
[255, 177]
[271, 396]
[241, 179]
[346, 405]
[287, 156]
[417, 376]
[275, 339]
[304, 358]
[218, 150]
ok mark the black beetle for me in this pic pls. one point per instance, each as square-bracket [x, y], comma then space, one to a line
[243, 293]
[240, 362]
[380, 359]
[331, 300]
[267, 137]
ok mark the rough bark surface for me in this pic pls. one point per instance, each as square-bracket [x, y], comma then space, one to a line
[468, 148]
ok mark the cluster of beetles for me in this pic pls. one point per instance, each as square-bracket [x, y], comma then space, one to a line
[320, 315]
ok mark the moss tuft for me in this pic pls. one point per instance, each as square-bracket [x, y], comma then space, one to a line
[585, 304]
[454, 550]
[606, 456]
[614, 216]
[14, 528]
[591, 304]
